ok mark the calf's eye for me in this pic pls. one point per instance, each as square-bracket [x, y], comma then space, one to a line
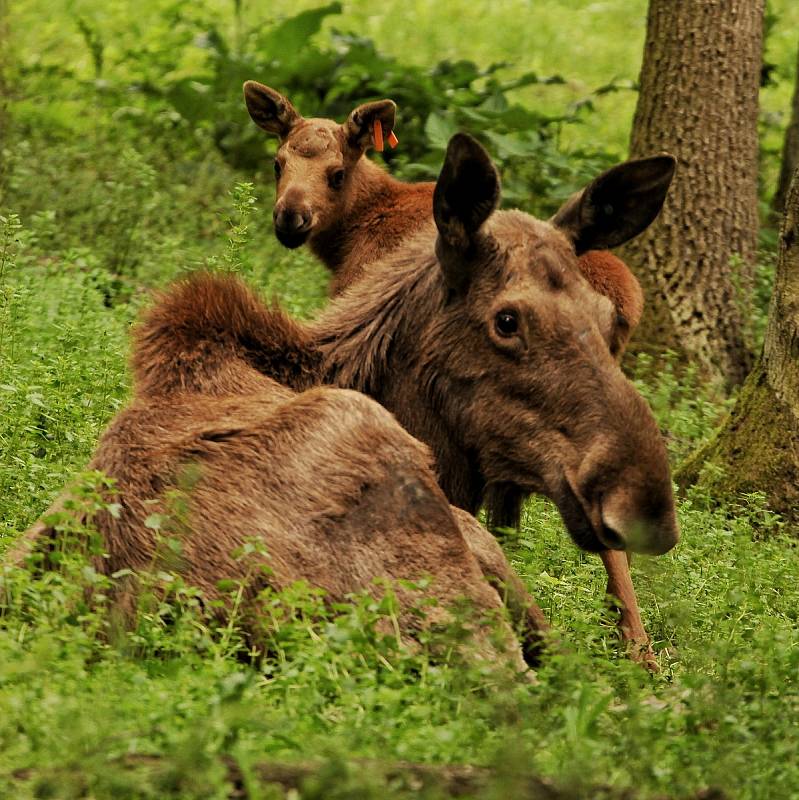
[336, 179]
[278, 169]
[506, 323]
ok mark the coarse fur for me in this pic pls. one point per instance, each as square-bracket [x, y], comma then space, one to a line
[335, 491]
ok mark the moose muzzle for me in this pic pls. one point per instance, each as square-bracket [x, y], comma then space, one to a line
[292, 224]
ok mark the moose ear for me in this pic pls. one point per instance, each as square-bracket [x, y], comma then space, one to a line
[359, 127]
[617, 205]
[466, 193]
[269, 109]
[610, 276]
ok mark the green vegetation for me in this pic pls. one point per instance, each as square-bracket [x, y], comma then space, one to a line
[125, 160]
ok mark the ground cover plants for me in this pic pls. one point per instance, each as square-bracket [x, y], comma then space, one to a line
[127, 159]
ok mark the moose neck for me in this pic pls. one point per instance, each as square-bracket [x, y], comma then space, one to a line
[379, 340]
[380, 214]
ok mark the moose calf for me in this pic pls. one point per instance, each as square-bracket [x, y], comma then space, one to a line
[349, 210]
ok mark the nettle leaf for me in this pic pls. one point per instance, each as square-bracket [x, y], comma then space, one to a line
[518, 118]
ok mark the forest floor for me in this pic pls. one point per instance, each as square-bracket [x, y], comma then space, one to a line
[103, 202]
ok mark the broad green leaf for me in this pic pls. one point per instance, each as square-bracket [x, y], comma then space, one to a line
[439, 128]
[284, 41]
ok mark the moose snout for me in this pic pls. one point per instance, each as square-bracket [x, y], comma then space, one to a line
[645, 524]
[292, 224]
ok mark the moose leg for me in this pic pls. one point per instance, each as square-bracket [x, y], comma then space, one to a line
[620, 587]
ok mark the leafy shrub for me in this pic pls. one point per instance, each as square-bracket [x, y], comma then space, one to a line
[329, 79]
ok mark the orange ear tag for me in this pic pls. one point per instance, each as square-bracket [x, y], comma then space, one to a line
[393, 141]
[378, 132]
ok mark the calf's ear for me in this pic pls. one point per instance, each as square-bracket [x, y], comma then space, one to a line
[269, 109]
[359, 127]
[618, 205]
[466, 194]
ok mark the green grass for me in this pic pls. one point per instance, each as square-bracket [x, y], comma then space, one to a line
[112, 205]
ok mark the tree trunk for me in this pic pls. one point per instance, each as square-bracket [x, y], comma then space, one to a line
[758, 447]
[790, 151]
[699, 101]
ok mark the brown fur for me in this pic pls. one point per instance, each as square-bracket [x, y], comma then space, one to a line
[632, 195]
[610, 276]
[202, 334]
[326, 479]
[383, 213]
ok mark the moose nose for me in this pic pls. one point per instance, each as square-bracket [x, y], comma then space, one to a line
[624, 526]
[292, 220]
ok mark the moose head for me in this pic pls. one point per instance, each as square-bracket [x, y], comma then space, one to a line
[315, 164]
[520, 356]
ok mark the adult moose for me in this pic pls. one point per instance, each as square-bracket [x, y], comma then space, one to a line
[335, 490]
[486, 341]
[483, 338]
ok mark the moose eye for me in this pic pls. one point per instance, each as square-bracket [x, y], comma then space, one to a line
[336, 179]
[278, 169]
[506, 323]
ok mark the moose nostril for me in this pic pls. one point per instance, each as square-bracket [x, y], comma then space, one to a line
[611, 538]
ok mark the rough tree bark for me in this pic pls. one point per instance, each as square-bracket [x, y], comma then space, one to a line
[699, 101]
[758, 446]
[790, 152]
